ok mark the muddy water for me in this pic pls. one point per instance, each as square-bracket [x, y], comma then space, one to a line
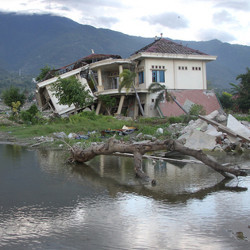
[47, 204]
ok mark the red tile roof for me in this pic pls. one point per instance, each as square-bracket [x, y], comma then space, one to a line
[163, 45]
[206, 98]
[100, 57]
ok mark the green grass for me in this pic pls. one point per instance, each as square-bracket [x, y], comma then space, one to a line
[85, 122]
[75, 124]
[242, 117]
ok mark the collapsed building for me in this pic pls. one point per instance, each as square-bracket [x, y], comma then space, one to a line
[180, 69]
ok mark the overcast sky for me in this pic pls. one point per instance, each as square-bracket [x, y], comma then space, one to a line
[197, 20]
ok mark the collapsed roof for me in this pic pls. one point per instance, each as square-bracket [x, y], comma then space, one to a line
[79, 63]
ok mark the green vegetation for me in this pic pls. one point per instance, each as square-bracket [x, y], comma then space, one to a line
[30, 116]
[83, 123]
[21, 81]
[13, 95]
[43, 72]
[108, 102]
[239, 98]
[163, 94]
[162, 91]
[241, 92]
[127, 80]
[226, 100]
[197, 109]
[70, 91]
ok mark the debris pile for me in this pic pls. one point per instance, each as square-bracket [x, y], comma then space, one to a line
[216, 132]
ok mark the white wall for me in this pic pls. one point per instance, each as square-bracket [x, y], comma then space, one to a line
[176, 78]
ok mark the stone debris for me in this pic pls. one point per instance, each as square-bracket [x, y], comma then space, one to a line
[238, 127]
[60, 135]
[200, 140]
[159, 131]
[44, 139]
[201, 135]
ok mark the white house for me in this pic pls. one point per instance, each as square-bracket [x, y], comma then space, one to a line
[178, 67]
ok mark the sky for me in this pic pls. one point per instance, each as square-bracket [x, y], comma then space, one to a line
[190, 20]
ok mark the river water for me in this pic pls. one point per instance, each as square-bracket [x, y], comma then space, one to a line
[48, 204]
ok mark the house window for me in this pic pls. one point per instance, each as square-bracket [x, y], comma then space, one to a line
[141, 77]
[183, 68]
[196, 68]
[158, 76]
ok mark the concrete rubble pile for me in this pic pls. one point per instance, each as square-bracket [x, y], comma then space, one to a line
[217, 133]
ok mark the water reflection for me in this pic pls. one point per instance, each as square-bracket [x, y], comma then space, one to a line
[47, 204]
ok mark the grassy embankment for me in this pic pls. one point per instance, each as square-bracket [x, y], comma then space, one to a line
[87, 122]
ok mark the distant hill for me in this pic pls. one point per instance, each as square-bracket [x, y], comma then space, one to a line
[28, 42]
[8, 79]
[231, 61]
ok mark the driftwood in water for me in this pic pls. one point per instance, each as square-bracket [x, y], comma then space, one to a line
[139, 149]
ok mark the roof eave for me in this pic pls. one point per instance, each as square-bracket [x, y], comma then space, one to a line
[109, 62]
[173, 56]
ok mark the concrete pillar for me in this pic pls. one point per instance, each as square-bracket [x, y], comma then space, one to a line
[98, 107]
[120, 71]
[136, 109]
[100, 86]
[120, 105]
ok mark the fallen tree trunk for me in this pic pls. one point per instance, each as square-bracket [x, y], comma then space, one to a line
[139, 149]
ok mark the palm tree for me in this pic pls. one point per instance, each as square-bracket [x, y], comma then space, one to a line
[164, 94]
[127, 80]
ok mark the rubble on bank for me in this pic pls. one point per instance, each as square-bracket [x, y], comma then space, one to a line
[201, 135]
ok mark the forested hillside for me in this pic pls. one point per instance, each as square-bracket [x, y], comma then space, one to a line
[29, 42]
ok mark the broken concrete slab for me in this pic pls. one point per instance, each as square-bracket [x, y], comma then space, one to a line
[237, 127]
[199, 140]
[197, 125]
[212, 115]
[211, 130]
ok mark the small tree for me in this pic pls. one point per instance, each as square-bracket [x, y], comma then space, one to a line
[13, 95]
[197, 109]
[226, 100]
[242, 91]
[108, 102]
[44, 71]
[30, 116]
[127, 80]
[70, 91]
[163, 94]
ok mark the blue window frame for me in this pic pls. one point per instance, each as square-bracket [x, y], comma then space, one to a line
[141, 77]
[158, 76]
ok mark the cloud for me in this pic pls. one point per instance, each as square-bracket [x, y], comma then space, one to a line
[211, 34]
[106, 21]
[93, 3]
[223, 17]
[169, 19]
[243, 5]
[234, 4]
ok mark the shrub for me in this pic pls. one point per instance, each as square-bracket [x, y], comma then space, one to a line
[13, 95]
[226, 100]
[175, 119]
[30, 115]
[197, 109]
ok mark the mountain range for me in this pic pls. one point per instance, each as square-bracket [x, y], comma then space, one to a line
[29, 42]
